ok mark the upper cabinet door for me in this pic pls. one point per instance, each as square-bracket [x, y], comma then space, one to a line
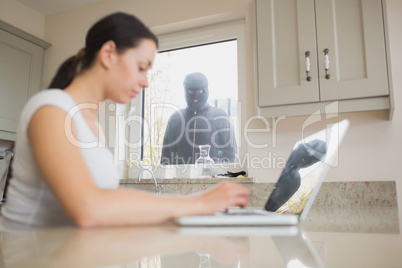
[21, 69]
[353, 33]
[285, 32]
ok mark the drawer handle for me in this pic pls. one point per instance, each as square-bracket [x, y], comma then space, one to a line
[326, 63]
[308, 77]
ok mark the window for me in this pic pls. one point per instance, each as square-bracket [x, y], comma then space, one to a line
[213, 51]
[166, 94]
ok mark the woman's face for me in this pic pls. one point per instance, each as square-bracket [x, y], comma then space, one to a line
[129, 74]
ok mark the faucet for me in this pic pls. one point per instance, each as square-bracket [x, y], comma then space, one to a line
[5, 152]
[158, 188]
[4, 178]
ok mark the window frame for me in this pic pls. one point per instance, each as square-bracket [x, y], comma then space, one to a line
[171, 41]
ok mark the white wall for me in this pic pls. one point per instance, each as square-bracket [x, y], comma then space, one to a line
[66, 31]
[22, 17]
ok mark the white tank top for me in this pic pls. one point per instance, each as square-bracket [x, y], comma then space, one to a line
[30, 202]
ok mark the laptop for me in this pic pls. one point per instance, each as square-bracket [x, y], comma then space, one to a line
[295, 190]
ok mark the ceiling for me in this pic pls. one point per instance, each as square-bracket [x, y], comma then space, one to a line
[49, 7]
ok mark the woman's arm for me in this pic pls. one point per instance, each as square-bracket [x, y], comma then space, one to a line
[68, 177]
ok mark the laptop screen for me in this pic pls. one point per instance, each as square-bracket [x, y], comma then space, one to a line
[305, 170]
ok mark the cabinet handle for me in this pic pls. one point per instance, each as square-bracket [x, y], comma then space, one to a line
[326, 63]
[308, 77]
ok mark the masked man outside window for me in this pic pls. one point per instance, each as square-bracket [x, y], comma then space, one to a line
[198, 124]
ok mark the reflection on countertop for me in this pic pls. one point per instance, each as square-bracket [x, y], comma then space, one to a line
[369, 238]
[159, 246]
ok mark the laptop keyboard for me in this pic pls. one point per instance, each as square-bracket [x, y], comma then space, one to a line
[244, 212]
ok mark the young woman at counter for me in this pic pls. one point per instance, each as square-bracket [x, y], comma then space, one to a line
[59, 179]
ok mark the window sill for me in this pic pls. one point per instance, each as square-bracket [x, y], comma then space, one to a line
[189, 181]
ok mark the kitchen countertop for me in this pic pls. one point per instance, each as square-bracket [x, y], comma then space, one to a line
[189, 180]
[331, 237]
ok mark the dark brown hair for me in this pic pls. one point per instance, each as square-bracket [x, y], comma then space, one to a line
[125, 30]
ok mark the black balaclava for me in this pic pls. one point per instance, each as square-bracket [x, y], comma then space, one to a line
[195, 82]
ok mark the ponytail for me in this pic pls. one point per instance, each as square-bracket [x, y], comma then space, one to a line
[65, 74]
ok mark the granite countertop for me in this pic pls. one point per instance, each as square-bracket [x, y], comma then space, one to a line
[189, 180]
[351, 224]
[371, 240]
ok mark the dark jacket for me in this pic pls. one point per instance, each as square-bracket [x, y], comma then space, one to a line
[187, 129]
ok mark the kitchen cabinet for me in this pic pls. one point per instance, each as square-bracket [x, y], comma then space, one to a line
[21, 74]
[311, 53]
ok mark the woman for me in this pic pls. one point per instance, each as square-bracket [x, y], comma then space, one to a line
[57, 180]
